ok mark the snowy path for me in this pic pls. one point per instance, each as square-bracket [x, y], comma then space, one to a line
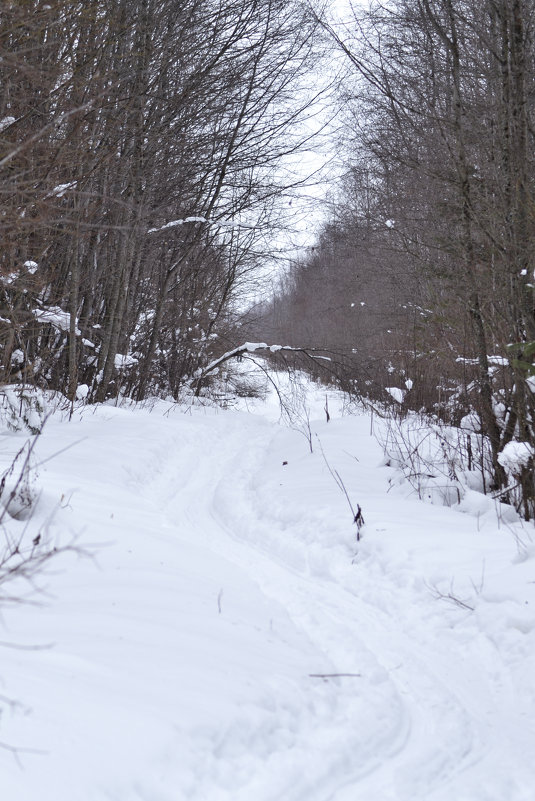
[423, 698]
[188, 664]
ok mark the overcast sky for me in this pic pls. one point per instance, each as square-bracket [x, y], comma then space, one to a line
[320, 165]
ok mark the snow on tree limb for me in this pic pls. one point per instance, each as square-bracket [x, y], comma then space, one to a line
[251, 347]
[175, 223]
[195, 219]
[54, 315]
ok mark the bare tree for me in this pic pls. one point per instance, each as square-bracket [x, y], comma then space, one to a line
[119, 121]
[439, 135]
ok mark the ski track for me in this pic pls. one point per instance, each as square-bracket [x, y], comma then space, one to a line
[414, 725]
[437, 705]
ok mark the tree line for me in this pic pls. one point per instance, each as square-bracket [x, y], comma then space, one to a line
[140, 150]
[141, 144]
[424, 274]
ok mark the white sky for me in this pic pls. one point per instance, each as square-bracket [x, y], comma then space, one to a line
[320, 165]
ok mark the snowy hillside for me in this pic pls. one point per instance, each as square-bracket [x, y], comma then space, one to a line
[227, 638]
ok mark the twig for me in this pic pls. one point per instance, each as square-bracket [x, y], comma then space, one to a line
[441, 596]
[358, 517]
[334, 675]
[19, 750]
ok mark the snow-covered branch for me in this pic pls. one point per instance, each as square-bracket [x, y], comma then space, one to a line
[251, 347]
[195, 219]
[54, 315]
[175, 223]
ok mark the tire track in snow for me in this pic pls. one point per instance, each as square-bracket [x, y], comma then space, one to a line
[340, 617]
[445, 705]
[410, 728]
[366, 724]
[345, 725]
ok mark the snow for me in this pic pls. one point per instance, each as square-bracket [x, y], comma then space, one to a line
[54, 315]
[82, 391]
[9, 278]
[196, 219]
[5, 122]
[175, 223]
[396, 393]
[471, 422]
[61, 189]
[228, 640]
[123, 360]
[515, 457]
[17, 357]
[499, 361]
[247, 347]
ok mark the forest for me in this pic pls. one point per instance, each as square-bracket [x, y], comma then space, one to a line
[139, 152]
[423, 277]
[142, 151]
[267, 400]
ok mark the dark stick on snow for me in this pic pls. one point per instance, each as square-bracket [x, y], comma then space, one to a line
[334, 675]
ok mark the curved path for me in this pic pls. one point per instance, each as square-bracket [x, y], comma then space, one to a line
[428, 709]
[233, 642]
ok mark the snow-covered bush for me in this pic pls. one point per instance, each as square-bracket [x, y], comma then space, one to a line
[440, 462]
[516, 457]
[18, 485]
[25, 541]
[517, 460]
[23, 408]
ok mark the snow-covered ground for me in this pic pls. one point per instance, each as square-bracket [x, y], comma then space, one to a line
[229, 639]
